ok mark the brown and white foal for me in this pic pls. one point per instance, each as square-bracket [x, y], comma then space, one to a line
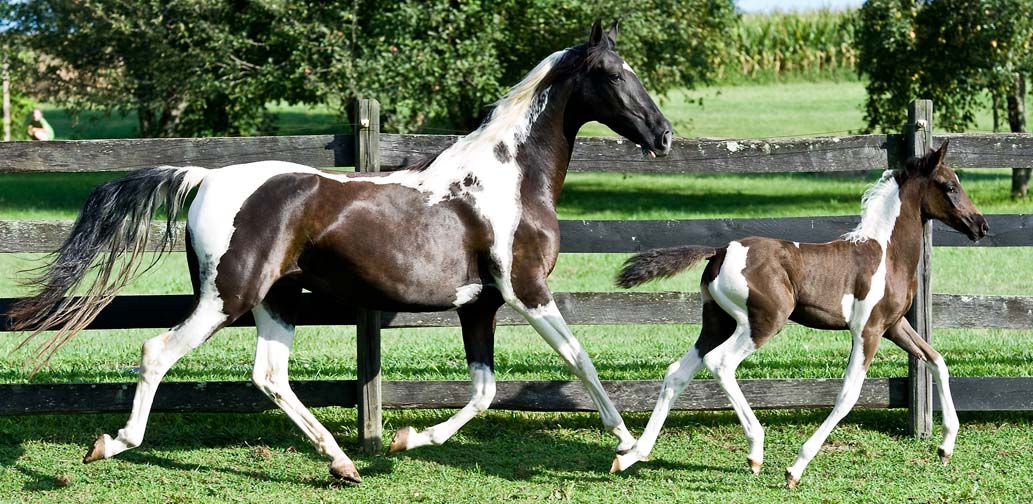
[863, 282]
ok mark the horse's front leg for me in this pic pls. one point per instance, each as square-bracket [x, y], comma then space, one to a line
[535, 303]
[478, 322]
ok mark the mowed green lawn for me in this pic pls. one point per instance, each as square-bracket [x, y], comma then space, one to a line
[547, 456]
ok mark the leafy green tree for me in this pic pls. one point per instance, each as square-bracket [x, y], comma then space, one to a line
[208, 67]
[951, 51]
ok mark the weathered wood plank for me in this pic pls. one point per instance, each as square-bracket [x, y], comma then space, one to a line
[579, 308]
[136, 153]
[38, 399]
[920, 397]
[690, 155]
[367, 323]
[614, 236]
[987, 150]
[970, 394]
[22, 399]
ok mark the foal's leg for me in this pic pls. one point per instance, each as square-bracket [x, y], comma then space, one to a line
[534, 302]
[275, 336]
[478, 321]
[158, 355]
[717, 327]
[861, 352]
[907, 338]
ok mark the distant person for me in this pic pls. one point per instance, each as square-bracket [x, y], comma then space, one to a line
[39, 128]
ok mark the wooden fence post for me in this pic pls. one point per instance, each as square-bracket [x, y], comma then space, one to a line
[920, 386]
[367, 343]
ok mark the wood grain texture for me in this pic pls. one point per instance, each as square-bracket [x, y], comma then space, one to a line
[987, 150]
[615, 236]
[578, 308]
[137, 153]
[690, 155]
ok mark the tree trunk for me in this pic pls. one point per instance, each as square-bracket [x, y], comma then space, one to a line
[1017, 122]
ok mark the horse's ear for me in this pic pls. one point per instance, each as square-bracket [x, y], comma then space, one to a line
[597, 33]
[933, 159]
[612, 33]
[942, 152]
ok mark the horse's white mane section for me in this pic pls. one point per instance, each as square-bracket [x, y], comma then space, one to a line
[880, 207]
[515, 112]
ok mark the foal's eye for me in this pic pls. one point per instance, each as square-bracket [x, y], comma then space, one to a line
[952, 188]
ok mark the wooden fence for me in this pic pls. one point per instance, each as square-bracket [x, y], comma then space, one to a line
[370, 151]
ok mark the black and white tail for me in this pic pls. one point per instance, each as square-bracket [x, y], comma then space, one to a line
[661, 263]
[109, 238]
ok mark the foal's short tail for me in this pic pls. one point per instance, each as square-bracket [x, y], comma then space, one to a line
[661, 263]
[109, 237]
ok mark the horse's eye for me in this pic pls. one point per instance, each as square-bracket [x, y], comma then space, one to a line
[952, 188]
[616, 77]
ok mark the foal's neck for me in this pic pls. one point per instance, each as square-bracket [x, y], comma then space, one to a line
[905, 246]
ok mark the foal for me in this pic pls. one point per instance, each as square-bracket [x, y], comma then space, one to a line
[863, 282]
[471, 229]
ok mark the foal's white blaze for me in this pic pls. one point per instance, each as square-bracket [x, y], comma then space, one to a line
[467, 293]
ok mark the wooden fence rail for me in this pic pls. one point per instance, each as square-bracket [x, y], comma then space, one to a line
[370, 151]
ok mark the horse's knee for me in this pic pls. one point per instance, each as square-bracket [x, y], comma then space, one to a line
[482, 401]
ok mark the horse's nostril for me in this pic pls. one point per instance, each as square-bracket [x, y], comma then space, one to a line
[665, 140]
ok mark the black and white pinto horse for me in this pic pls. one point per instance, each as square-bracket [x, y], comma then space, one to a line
[863, 282]
[471, 229]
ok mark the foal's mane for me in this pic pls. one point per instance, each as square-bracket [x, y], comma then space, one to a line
[880, 206]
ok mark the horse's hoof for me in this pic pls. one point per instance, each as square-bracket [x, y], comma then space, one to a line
[401, 440]
[791, 481]
[345, 471]
[96, 452]
[615, 467]
[944, 456]
[626, 460]
[754, 466]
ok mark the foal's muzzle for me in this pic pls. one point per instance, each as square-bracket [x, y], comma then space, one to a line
[978, 228]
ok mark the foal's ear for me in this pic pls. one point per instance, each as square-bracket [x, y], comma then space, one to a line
[597, 33]
[934, 158]
[612, 33]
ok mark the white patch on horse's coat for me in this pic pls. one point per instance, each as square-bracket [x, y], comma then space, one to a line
[467, 293]
[730, 281]
[880, 207]
[482, 385]
[848, 307]
[797, 244]
[627, 67]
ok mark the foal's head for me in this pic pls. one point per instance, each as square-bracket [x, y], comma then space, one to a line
[943, 198]
[606, 89]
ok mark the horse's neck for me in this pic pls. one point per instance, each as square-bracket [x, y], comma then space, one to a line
[905, 245]
[545, 154]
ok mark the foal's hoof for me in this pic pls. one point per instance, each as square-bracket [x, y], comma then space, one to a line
[400, 442]
[791, 481]
[626, 460]
[345, 471]
[944, 456]
[97, 450]
[754, 466]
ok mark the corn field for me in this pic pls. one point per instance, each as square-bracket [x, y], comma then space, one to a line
[812, 44]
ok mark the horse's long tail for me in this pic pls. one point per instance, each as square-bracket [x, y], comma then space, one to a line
[109, 237]
[661, 263]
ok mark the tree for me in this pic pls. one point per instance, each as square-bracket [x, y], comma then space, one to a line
[206, 67]
[952, 51]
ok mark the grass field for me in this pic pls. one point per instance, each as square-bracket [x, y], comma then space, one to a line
[547, 456]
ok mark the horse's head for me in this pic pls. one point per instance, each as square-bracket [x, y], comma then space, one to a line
[944, 198]
[607, 90]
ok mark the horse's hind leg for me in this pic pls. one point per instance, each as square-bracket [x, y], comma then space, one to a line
[907, 338]
[717, 327]
[158, 355]
[273, 319]
[478, 321]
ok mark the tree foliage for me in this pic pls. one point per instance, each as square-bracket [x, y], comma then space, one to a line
[208, 67]
[950, 51]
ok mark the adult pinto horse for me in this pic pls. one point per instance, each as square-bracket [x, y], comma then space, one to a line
[863, 282]
[470, 229]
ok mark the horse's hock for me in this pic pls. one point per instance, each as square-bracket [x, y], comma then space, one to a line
[370, 150]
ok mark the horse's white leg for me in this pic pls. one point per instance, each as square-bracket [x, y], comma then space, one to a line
[678, 376]
[158, 355]
[853, 379]
[548, 321]
[951, 424]
[722, 363]
[482, 380]
[270, 376]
